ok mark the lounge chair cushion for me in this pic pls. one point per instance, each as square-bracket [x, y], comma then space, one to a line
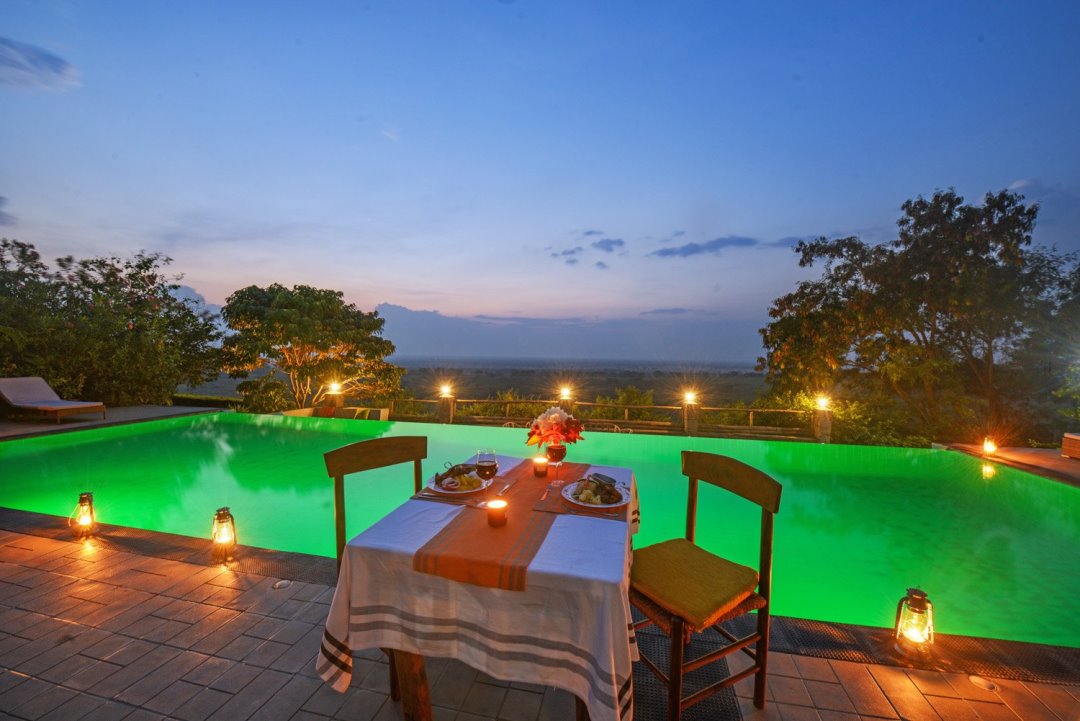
[690, 582]
[33, 392]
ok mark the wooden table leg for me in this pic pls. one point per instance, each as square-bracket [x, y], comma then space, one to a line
[581, 711]
[412, 681]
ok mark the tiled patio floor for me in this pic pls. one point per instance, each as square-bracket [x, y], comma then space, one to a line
[88, 633]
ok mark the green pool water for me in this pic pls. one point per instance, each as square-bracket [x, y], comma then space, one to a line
[999, 556]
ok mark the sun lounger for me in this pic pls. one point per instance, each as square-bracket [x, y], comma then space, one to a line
[35, 395]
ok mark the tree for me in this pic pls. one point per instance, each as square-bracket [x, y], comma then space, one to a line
[929, 317]
[312, 337]
[107, 328]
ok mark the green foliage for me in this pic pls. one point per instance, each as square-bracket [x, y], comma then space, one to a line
[105, 329]
[924, 322]
[497, 407]
[312, 337]
[265, 394]
[624, 397]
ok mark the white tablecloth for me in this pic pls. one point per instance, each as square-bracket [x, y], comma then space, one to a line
[571, 627]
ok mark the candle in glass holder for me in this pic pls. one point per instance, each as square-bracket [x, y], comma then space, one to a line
[496, 513]
[540, 466]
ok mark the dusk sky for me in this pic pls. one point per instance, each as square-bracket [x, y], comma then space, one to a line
[629, 176]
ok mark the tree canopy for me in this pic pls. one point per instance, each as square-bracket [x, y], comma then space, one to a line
[925, 321]
[312, 337]
[101, 328]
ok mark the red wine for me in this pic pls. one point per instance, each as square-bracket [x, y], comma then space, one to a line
[556, 453]
[487, 469]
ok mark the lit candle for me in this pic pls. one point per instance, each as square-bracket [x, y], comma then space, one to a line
[540, 466]
[496, 512]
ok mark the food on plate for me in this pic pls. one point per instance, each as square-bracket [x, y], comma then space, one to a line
[461, 481]
[596, 493]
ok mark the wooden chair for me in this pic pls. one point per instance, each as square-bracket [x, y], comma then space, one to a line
[683, 589]
[366, 456]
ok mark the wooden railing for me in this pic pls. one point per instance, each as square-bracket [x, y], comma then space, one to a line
[687, 419]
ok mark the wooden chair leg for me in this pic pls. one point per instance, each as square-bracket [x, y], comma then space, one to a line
[395, 687]
[415, 692]
[676, 672]
[581, 711]
[761, 649]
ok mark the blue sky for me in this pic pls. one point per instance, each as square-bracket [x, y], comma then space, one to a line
[618, 163]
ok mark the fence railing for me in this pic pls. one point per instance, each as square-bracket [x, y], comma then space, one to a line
[686, 419]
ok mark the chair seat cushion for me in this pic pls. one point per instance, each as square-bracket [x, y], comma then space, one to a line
[690, 582]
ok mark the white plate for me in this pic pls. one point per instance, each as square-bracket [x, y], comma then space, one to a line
[483, 484]
[569, 489]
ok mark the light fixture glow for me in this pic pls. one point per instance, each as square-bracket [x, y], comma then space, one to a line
[823, 402]
[564, 393]
[989, 446]
[446, 390]
[689, 397]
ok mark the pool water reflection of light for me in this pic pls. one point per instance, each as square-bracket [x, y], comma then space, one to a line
[999, 553]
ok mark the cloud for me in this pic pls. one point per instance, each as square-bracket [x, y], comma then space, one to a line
[571, 261]
[601, 265]
[713, 246]
[790, 241]
[673, 236]
[569, 254]
[27, 66]
[391, 133]
[608, 245]
[587, 233]
[667, 311]
[5, 218]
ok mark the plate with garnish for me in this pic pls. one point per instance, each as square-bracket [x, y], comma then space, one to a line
[596, 491]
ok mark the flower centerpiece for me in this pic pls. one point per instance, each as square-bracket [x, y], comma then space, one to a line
[555, 427]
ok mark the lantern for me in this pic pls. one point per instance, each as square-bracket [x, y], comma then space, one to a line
[223, 534]
[914, 623]
[82, 518]
[989, 446]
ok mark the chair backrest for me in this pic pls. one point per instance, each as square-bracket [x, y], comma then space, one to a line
[742, 480]
[26, 390]
[365, 456]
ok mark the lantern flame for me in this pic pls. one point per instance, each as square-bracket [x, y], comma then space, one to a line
[989, 446]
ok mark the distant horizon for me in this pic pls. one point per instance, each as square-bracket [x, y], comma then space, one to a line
[435, 362]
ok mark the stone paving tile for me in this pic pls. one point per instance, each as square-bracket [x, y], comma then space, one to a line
[208, 671]
[953, 709]
[361, 706]
[520, 705]
[252, 697]
[112, 685]
[790, 712]
[993, 711]
[813, 669]
[903, 694]
[289, 699]
[183, 586]
[202, 705]
[157, 680]
[1024, 703]
[172, 697]
[484, 699]
[235, 678]
[42, 703]
[300, 658]
[204, 628]
[66, 668]
[965, 689]
[862, 690]
[90, 677]
[830, 696]
[1057, 699]
[76, 707]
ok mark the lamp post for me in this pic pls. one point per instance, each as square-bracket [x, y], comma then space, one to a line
[691, 412]
[447, 403]
[822, 420]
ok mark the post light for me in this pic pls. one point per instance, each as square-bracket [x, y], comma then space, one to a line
[989, 446]
[446, 390]
[223, 534]
[334, 388]
[914, 623]
[823, 402]
[82, 518]
[564, 393]
[689, 397]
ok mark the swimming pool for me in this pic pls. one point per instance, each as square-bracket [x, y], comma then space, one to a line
[999, 556]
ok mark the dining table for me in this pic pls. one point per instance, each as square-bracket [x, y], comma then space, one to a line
[542, 599]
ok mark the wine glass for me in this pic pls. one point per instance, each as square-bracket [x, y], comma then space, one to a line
[487, 463]
[555, 453]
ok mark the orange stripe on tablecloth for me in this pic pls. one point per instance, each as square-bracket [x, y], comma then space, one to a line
[467, 549]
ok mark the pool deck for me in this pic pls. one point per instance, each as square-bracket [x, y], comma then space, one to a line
[1046, 462]
[26, 426]
[90, 632]
[102, 629]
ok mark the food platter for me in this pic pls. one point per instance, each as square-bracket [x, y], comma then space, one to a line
[570, 489]
[434, 486]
